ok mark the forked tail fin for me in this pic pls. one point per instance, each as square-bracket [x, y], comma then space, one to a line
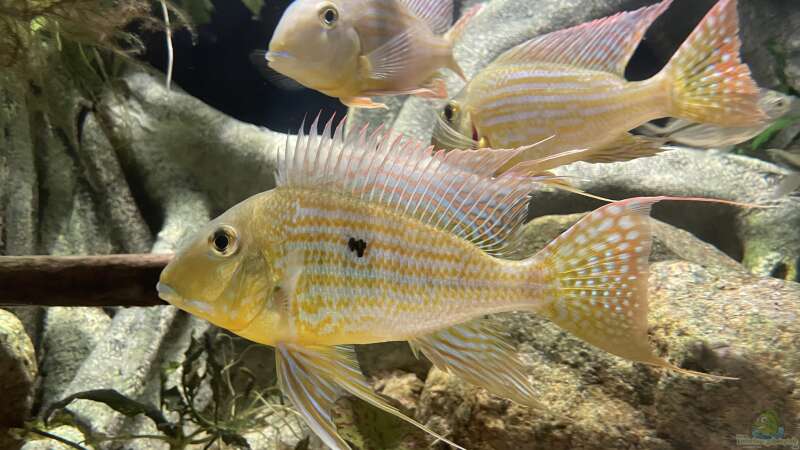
[596, 273]
[706, 77]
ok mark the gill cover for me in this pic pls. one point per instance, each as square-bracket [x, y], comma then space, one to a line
[220, 274]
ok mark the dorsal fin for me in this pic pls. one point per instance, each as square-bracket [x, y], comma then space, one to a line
[437, 14]
[453, 191]
[604, 44]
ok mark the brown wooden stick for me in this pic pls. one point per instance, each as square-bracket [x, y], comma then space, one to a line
[108, 280]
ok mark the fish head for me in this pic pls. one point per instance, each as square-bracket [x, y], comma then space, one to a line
[454, 128]
[775, 104]
[222, 274]
[315, 43]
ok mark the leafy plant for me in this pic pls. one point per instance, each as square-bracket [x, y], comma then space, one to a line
[770, 132]
[185, 414]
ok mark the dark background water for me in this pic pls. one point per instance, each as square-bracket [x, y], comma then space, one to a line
[217, 69]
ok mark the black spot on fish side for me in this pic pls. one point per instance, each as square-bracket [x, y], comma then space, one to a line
[357, 245]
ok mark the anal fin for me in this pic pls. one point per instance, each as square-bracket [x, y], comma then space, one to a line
[309, 377]
[362, 102]
[625, 148]
[476, 352]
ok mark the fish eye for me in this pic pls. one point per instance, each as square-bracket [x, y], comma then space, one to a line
[224, 241]
[328, 15]
[449, 112]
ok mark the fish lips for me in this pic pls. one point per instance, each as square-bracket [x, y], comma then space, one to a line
[170, 295]
[166, 293]
[273, 56]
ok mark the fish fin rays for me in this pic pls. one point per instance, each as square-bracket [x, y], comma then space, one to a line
[311, 378]
[391, 59]
[598, 273]
[437, 14]
[362, 102]
[311, 392]
[605, 44]
[454, 191]
[706, 77]
[625, 148]
[457, 30]
[477, 353]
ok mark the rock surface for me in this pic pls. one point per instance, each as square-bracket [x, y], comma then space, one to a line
[18, 372]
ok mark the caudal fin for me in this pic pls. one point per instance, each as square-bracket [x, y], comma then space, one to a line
[455, 33]
[597, 272]
[708, 81]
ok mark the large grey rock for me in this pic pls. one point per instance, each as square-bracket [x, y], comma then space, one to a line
[70, 336]
[18, 372]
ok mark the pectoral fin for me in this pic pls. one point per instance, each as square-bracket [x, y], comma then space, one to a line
[309, 377]
[476, 352]
[391, 59]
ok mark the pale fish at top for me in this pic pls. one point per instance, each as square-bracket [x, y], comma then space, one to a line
[373, 237]
[570, 84]
[705, 135]
[357, 49]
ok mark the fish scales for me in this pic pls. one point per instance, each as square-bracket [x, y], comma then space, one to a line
[520, 110]
[411, 279]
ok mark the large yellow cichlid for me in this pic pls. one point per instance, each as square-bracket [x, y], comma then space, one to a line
[373, 238]
[357, 49]
[569, 84]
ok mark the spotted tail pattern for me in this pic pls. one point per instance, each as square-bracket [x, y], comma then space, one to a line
[706, 76]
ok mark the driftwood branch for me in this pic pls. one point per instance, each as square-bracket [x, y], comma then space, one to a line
[108, 280]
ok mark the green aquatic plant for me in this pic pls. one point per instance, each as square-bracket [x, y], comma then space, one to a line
[764, 137]
[185, 414]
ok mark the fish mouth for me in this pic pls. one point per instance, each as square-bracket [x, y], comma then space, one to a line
[167, 293]
[170, 295]
[273, 56]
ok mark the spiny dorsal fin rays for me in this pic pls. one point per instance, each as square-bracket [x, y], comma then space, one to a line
[454, 191]
[605, 44]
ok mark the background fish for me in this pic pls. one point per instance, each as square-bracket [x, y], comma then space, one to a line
[356, 49]
[703, 135]
[372, 238]
[569, 84]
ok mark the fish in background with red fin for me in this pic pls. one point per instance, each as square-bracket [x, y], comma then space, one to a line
[372, 237]
[569, 84]
[357, 49]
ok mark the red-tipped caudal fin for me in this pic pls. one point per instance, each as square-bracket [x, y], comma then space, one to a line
[596, 273]
[706, 77]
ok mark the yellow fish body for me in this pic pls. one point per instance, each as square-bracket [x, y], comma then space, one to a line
[373, 238]
[569, 84]
[356, 49]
